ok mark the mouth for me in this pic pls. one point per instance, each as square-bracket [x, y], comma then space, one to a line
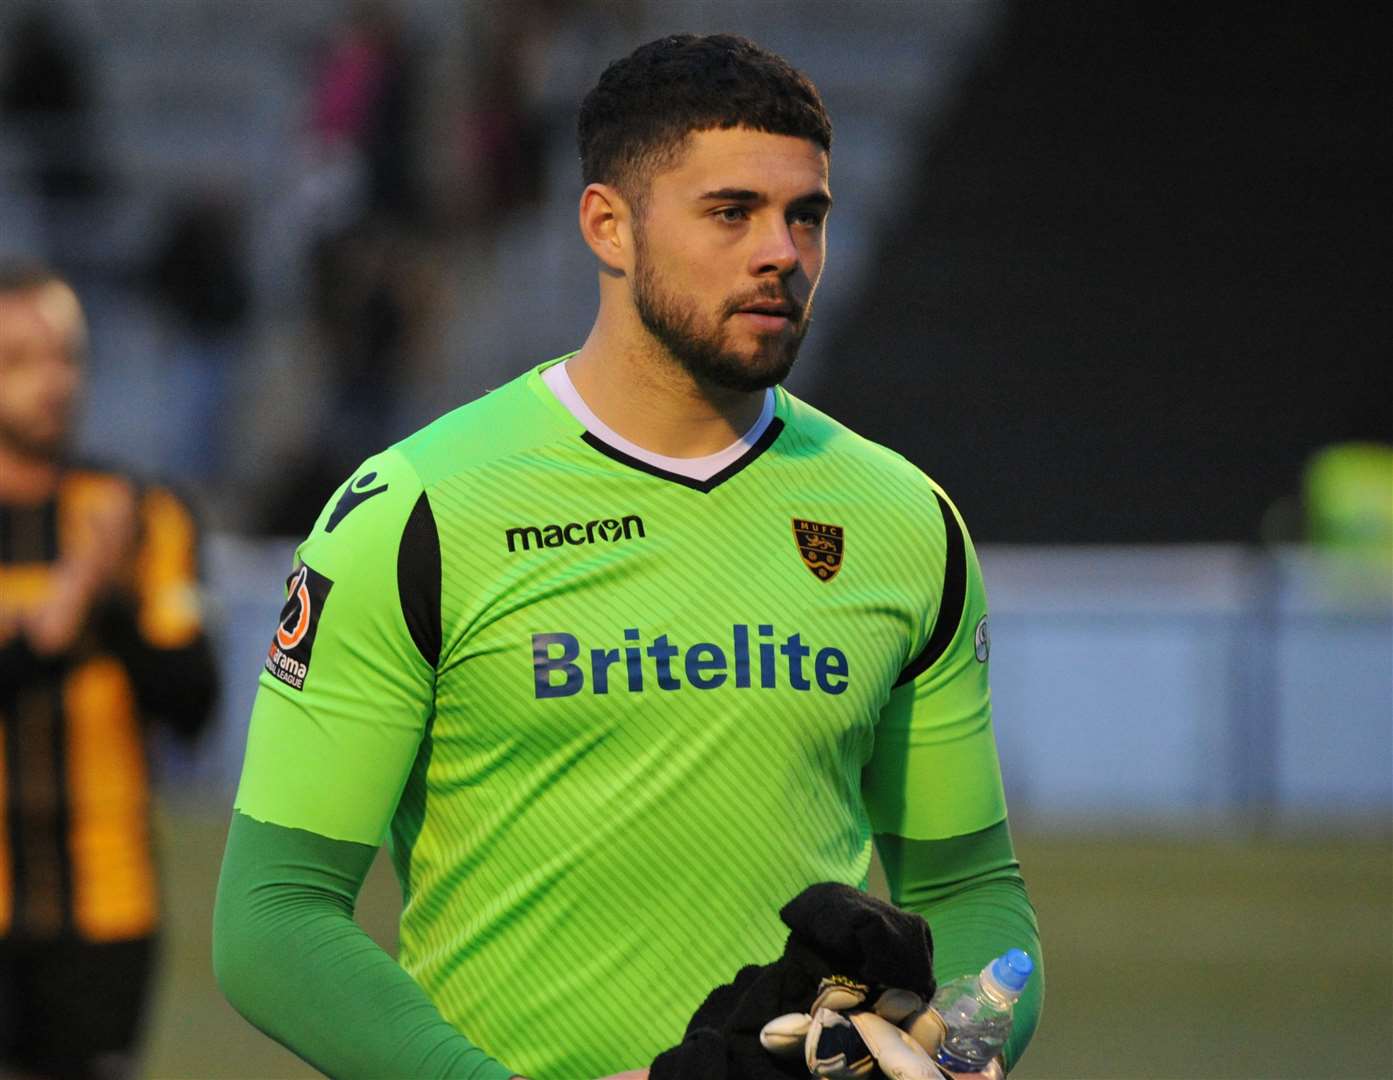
[768, 315]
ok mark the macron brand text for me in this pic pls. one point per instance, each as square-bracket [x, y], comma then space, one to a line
[595, 531]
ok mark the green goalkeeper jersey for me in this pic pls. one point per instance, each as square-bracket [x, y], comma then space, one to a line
[611, 717]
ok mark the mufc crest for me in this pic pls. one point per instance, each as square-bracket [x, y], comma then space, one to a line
[822, 547]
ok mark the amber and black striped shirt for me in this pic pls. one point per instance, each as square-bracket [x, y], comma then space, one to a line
[75, 850]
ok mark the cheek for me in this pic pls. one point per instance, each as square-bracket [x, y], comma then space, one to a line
[696, 290]
[52, 381]
[38, 387]
[67, 381]
[18, 388]
[671, 268]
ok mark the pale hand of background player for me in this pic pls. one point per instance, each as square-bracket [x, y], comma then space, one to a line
[84, 576]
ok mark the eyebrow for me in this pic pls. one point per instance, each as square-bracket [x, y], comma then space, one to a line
[745, 195]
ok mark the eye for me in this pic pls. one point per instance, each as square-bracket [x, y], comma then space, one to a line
[732, 215]
[808, 219]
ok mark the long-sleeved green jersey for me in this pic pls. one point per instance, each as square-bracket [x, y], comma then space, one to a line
[612, 717]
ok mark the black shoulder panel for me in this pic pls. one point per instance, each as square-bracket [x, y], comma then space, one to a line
[418, 579]
[950, 606]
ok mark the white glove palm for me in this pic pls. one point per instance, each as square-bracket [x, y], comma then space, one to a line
[842, 1041]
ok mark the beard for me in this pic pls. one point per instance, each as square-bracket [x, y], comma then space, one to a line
[702, 350]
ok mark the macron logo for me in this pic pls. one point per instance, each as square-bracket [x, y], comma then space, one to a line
[596, 531]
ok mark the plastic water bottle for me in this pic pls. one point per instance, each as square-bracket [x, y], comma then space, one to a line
[976, 1011]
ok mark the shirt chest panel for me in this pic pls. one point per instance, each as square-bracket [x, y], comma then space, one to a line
[665, 615]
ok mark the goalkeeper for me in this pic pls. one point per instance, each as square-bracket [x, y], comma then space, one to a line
[622, 656]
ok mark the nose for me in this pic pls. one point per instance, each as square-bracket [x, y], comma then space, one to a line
[775, 252]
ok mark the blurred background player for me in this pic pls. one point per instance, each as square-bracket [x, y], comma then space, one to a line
[100, 632]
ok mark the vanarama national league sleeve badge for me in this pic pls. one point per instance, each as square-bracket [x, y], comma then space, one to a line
[821, 546]
[288, 658]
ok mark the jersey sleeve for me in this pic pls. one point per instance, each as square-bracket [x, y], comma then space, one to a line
[349, 677]
[969, 889]
[290, 958]
[934, 771]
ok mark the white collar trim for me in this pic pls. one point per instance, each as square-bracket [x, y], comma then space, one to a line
[558, 379]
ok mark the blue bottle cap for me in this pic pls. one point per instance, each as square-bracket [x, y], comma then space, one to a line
[1013, 969]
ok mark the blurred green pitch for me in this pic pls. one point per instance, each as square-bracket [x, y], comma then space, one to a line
[1166, 958]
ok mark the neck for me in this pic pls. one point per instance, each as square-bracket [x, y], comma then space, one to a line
[631, 383]
[26, 477]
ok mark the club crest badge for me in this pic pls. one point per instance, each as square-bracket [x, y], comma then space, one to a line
[821, 546]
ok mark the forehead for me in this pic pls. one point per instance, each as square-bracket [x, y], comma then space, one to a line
[47, 317]
[787, 166]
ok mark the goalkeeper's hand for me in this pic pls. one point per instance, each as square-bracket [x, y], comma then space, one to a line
[841, 1040]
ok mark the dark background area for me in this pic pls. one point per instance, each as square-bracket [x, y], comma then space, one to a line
[1146, 258]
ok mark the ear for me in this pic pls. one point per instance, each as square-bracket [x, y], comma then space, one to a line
[606, 224]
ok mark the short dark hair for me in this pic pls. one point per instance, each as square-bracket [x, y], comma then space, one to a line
[638, 116]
